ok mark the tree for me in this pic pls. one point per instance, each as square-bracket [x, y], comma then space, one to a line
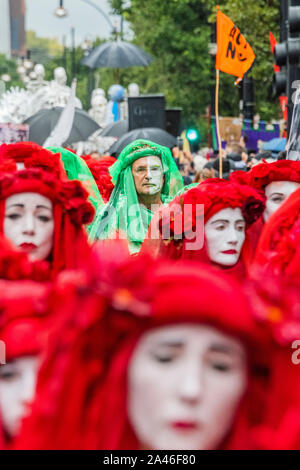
[255, 20]
[9, 67]
[43, 49]
[176, 33]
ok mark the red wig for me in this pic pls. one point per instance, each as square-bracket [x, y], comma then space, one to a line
[32, 156]
[265, 173]
[82, 388]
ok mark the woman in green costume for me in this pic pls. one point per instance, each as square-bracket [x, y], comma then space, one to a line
[145, 177]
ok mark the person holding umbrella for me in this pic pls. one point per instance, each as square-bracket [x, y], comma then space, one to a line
[145, 177]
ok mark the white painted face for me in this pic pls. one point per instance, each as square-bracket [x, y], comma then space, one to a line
[29, 224]
[276, 193]
[186, 382]
[17, 388]
[148, 175]
[225, 235]
[154, 174]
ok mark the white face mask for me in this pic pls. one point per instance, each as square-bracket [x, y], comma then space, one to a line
[29, 224]
[17, 388]
[185, 384]
[225, 235]
[276, 193]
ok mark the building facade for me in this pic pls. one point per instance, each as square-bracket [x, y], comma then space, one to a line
[12, 28]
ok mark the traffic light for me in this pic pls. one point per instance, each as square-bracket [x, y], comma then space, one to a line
[287, 53]
[192, 135]
[248, 97]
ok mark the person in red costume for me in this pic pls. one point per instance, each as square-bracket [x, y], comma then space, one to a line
[208, 223]
[277, 180]
[278, 248]
[24, 305]
[280, 428]
[157, 359]
[42, 212]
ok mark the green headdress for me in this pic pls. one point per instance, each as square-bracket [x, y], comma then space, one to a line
[123, 212]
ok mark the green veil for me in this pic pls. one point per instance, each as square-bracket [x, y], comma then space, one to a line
[123, 214]
[77, 169]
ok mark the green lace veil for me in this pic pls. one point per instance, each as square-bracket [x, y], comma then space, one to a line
[123, 213]
[77, 169]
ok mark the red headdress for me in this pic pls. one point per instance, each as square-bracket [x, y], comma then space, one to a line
[214, 195]
[265, 173]
[99, 169]
[71, 208]
[82, 391]
[32, 156]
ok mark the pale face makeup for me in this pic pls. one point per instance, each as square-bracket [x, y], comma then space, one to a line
[17, 388]
[225, 235]
[29, 224]
[148, 175]
[276, 193]
[185, 382]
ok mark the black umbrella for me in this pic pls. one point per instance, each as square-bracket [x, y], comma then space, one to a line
[115, 129]
[43, 122]
[117, 55]
[159, 136]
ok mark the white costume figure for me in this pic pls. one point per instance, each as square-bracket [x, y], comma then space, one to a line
[58, 92]
[15, 105]
[98, 109]
[98, 92]
[133, 92]
[37, 79]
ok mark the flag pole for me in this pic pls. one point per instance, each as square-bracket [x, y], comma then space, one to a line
[218, 123]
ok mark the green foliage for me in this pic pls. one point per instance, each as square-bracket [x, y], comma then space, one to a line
[42, 49]
[177, 32]
[9, 66]
[255, 19]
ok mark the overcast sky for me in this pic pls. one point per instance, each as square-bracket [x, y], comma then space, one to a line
[86, 20]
